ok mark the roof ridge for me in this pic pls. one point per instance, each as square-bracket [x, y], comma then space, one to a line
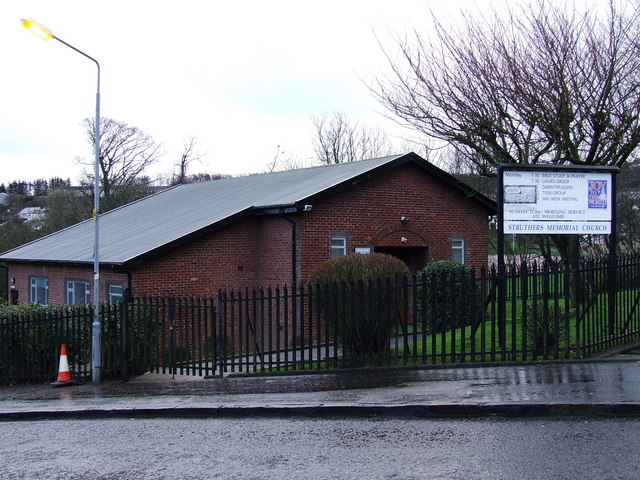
[302, 169]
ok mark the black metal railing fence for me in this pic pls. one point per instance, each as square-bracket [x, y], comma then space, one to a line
[559, 312]
[530, 312]
[31, 340]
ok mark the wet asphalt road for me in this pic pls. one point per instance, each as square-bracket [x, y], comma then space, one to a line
[341, 448]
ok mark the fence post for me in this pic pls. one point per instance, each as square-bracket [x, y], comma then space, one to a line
[612, 259]
[524, 298]
[172, 338]
[124, 337]
[612, 292]
[222, 332]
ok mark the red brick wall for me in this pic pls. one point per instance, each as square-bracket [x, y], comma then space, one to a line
[224, 259]
[275, 251]
[253, 252]
[58, 276]
[257, 251]
[370, 214]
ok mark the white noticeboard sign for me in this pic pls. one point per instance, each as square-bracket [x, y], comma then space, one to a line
[557, 202]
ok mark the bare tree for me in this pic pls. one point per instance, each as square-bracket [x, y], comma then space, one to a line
[338, 140]
[628, 206]
[125, 153]
[540, 83]
[282, 162]
[536, 83]
[275, 163]
[189, 155]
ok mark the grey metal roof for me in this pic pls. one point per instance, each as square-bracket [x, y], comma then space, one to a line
[138, 229]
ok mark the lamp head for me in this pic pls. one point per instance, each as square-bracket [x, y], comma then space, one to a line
[37, 29]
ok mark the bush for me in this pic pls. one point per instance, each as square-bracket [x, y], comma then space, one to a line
[356, 304]
[542, 326]
[447, 296]
[31, 336]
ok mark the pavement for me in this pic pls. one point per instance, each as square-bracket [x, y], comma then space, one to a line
[605, 386]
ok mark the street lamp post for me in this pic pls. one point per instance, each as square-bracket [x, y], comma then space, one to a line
[96, 360]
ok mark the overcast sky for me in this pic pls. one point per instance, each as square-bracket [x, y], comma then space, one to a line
[244, 77]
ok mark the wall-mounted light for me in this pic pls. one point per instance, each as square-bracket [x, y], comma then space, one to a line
[307, 208]
[404, 220]
[403, 239]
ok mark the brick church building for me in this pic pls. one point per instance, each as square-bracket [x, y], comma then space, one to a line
[258, 230]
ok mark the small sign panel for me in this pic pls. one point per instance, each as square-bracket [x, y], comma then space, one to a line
[597, 194]
[558, 202]
[521, 194]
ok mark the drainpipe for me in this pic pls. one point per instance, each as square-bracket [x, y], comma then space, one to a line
[294, 249]
[129, 289]
[6, 283]
[294, 281]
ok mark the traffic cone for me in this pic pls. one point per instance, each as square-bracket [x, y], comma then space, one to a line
[64, 375]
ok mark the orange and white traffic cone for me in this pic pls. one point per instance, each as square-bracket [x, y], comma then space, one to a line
[64, 375]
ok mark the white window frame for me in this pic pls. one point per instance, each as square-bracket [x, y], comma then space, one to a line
[114, 296]
[38, 289]
[71, 292]
[337, 246]
[458, 250]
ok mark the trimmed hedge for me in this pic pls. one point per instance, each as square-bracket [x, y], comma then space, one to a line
[356, 303]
